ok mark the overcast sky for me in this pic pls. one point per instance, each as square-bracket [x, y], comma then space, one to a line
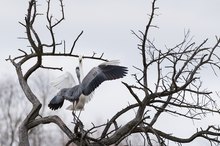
[107, 26]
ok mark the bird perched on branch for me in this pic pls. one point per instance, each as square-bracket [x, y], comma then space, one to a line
[67, 81]
[79, 94]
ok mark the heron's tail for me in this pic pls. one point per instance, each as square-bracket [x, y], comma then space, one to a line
[56, 102]
[70, 107]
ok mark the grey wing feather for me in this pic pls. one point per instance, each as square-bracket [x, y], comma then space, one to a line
[57, 101]
[73, 94]
[100, 74]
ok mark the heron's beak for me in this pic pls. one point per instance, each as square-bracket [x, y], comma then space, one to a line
[80, 58]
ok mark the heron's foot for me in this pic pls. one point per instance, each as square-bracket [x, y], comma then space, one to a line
[76, 118]
[78, 129]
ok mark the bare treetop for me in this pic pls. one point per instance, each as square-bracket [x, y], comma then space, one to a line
[175, 87]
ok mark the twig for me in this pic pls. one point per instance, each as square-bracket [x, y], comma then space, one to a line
[74, 43]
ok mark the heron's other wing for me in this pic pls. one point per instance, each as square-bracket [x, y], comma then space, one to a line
[64, 81]
[57, 101]
[73, 94]
[111, 62]
[100, 74]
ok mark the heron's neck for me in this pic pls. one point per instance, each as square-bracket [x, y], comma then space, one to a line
[81, 71]
[79, 79]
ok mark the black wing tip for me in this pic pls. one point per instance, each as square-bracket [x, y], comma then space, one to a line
[113, 72]
[125, 70]
[120, 71]
[53, 105]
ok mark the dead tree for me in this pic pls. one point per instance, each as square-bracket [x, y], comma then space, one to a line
[176, 84]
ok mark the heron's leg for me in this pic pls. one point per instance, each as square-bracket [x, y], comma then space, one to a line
[74, 116]
[79, 113]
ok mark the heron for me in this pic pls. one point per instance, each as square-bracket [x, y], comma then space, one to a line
[66, 80]
[80, 104]
[79, 94]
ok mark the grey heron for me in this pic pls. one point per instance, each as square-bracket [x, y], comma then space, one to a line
[67, 81]
[78, 94]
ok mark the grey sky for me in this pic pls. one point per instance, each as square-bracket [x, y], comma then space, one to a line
[107, 26]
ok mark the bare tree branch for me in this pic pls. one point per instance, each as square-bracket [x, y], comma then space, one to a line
[177, 88]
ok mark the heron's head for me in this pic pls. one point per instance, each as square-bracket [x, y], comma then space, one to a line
[78, 73]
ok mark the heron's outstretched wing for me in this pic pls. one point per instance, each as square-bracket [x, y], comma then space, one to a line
[100, 74]
[73, 94]
[57, 101]
[64, 81]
